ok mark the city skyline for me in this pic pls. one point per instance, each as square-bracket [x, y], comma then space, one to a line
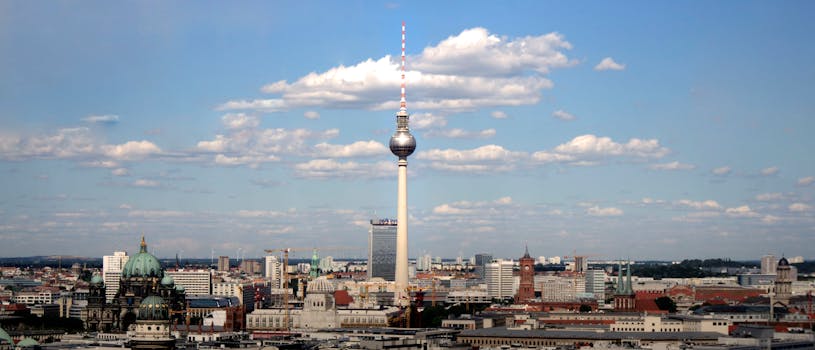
[642, 130]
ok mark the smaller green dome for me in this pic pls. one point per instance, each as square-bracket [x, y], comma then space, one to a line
[27, 342]
[167, 281]
[6, 337]
[179, 288]
[96, 279]
[153, 308]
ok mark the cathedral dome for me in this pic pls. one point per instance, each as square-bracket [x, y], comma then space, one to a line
[97, 280]
[321, 285]
[27, 342]
[783, 262]
[142, 264]
[153, 308]
[167, 281]
[6, 337]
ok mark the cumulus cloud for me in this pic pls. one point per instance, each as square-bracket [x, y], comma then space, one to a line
[742, 211]
[101, 119]
[799, 207]
[769, 171]
[499, 115]
[480, 159]
[146, 183]
[330, 168]
[806, 181]
[721, 171]
[460, 134]
[598, 211]
[768, 197]
[313, 115]
[120, 172]
[356, 149]
[699, 205]
[254, 146]
[240, 121]
[608, 64]
[588, 148]
[470, 70]
[563, 115]
[422, 121]
[131, 150]
[473, 208]
[675, 165]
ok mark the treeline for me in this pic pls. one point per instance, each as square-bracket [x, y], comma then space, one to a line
[691, 268]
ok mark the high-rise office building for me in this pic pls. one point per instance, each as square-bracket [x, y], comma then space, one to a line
[112, 272]
[194, 282]
[596, 284]
[273, 269]
[481, 260]
[581, 264]
[382, 249]
[498, 275]
[223, 263]
[769, 264]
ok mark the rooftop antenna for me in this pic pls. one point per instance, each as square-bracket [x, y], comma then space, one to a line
[402, 100]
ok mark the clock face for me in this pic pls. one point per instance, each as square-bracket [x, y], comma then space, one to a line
[526, 267]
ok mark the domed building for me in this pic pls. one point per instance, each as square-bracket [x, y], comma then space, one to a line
[6, 342]
[142, 277]
[152, 329]
[783, 282]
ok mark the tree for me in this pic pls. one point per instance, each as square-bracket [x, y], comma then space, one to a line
[585, 308]
[666, 303]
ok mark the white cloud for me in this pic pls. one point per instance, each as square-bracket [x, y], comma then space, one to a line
[120, 172]
[586, 149]
[356, 149]
[100, 164]
[131, 150]
[721, 171]
[608, 64]
[101, 119]
[145, 183]
[253, 147]
[742, 211]
[770, 219]
[768, 197]
[708, 204]
[499, 115]
[240, 121]
[769, 171]
[460, 134]
[313, 115]
[799, 207]
[480, 154]
[806, 181]
[470, 70]
[675, 165]
[473, 208]
[421, 121]
[563, 115]
[330, 168]
[598, 211]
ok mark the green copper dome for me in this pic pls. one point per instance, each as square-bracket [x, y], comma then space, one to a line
[153, 308]
[179, 288]
[6, 337]
[167, 281]
[27, 342]
[142, 264]
[96, 279]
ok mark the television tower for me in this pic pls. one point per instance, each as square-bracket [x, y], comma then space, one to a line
[402, 145]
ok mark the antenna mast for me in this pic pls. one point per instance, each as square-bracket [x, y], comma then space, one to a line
[402, 101]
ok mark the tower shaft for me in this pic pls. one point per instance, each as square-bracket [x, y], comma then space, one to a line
[401, 296]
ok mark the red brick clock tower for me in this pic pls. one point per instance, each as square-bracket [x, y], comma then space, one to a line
[526, 289]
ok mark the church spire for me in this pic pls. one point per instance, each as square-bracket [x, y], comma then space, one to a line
[526, 251]
[620, 277]
[629, 289]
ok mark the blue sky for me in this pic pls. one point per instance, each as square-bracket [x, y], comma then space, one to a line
[639, 129]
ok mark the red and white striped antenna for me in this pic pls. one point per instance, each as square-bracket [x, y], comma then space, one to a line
[402, 102]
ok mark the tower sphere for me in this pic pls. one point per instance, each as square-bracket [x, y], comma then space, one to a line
[402, 143]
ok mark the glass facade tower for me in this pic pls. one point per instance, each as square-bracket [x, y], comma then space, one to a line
[382, 249]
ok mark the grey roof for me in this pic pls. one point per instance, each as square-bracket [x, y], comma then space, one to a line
[501, 332]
